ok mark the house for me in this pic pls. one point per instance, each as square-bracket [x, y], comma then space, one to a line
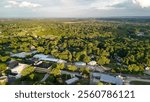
[72, 81]
[61, 61]
[20, 55]
[13, 64]
[23, 54]
[108, 78]
[48, 58]
[80, 64]
[39, 56]
[92, 63]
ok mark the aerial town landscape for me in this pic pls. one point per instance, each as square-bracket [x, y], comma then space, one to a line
[75, 51]
[74, 42]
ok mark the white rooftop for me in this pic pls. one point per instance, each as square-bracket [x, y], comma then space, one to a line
[80, 63]
[48, 58]
[92, 63]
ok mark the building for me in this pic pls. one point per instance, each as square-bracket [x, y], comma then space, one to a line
[92, 63]
[40, 56]
[61, 61]
[20, 55]
[80, 64]
[23, 54]
[72, 81]
[107, 78]
[48, 58]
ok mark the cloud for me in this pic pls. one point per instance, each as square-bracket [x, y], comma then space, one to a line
[23, 4]
[142, 3]
[28, 4]
[75, 8]
[107, 4]
[120, 4]
[13, 2]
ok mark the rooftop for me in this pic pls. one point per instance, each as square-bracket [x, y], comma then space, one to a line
[80, 63]
[48, 58]
[109, 78]
[23, 54]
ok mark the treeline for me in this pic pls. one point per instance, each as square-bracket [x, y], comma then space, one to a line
[104, 42]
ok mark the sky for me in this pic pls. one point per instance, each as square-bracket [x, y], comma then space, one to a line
[73, 8]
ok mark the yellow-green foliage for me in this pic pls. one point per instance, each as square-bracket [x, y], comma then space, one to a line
[27, 71]
[71, 67]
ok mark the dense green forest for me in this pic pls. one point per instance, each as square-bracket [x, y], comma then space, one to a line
[123, 46]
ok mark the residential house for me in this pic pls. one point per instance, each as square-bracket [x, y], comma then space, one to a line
[48, 58]
[23, 54]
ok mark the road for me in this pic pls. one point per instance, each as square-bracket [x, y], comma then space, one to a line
[45, 77]
[101, 69]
